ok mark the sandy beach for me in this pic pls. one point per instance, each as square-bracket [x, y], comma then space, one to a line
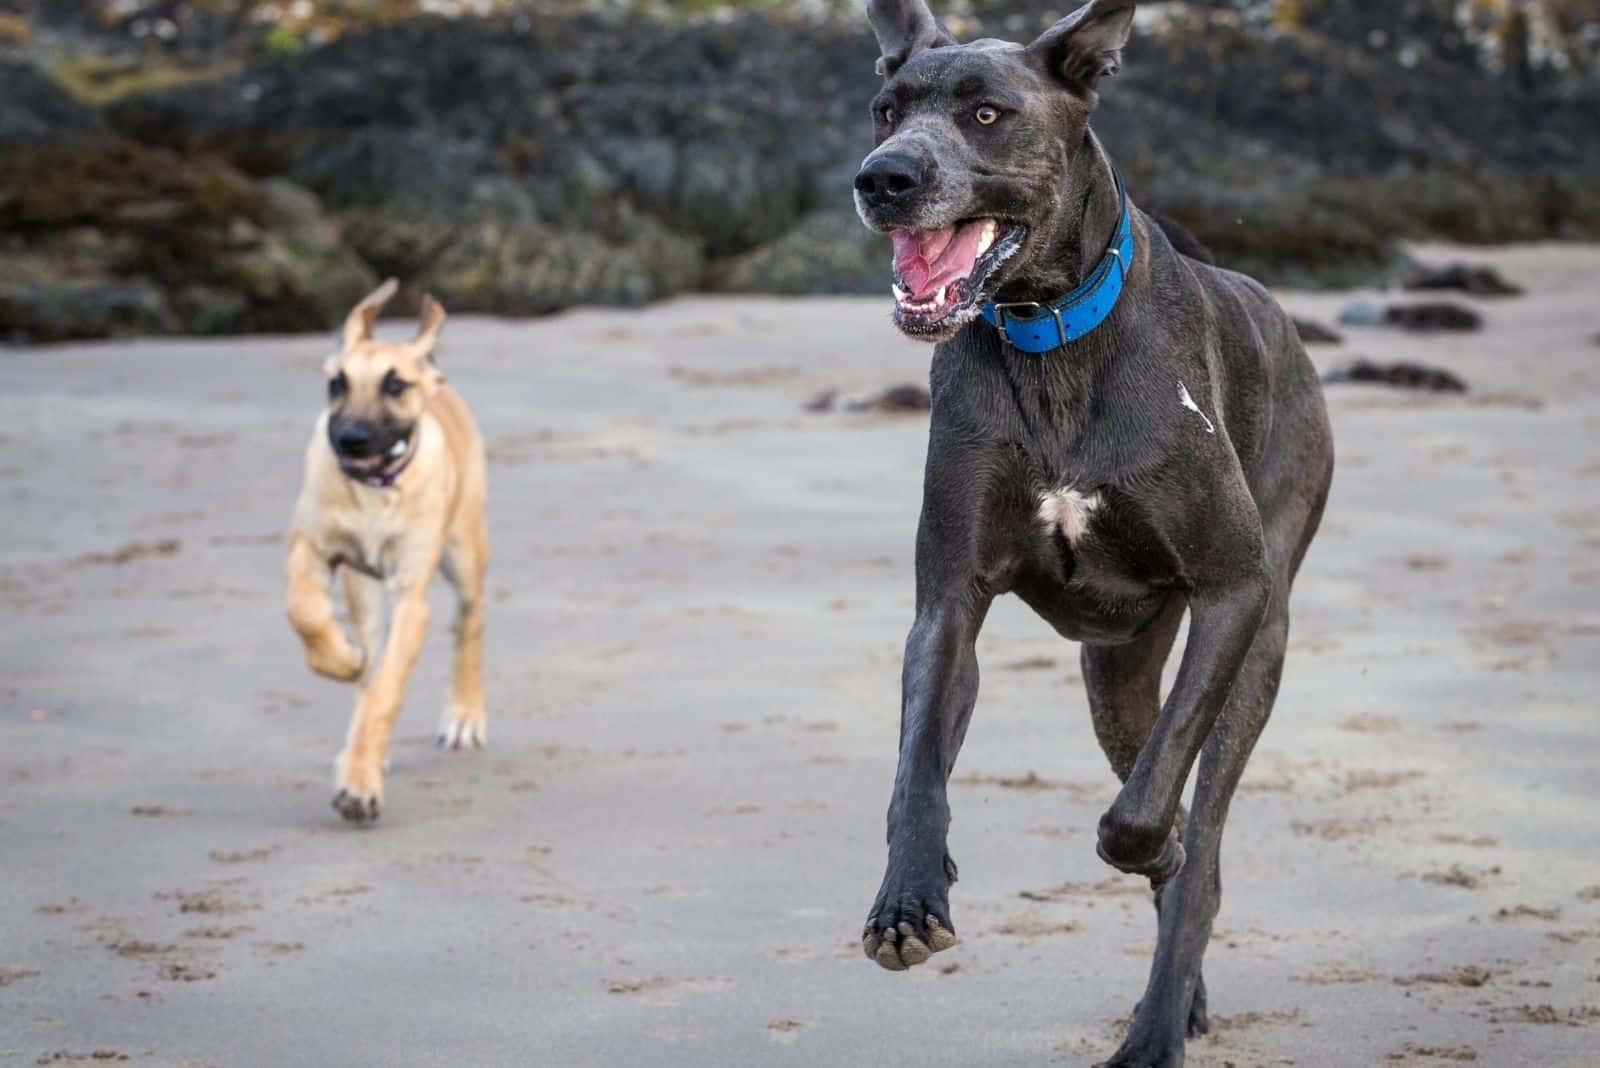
[698, 600]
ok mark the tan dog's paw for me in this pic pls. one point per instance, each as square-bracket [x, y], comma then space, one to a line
[342, 663]
[356, 809]
[360, 791]
[461, 729]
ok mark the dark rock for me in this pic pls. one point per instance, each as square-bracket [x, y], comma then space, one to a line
[1478, 281]
[111, 237]
[1314, 333]
[53, 308]
[554, 160]
[534, 269]
[1433, 317]
[1403, 375]
[910, 397]
[35, 111]
[826, 252]
[1425, 317]
[824, 401]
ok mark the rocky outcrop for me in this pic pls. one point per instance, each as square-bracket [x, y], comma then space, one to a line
[112, 237]
[528, 165]
[523, 164]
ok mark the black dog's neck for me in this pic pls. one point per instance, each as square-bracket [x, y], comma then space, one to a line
[1051, 396]
[1081, 242]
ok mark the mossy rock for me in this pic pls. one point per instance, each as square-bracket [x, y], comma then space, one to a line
[63, 308]
[119, 184]
[147, 240]
[98, 79]
[828, 252]
[533, 269]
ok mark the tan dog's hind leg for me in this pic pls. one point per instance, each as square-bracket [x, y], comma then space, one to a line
[364, 595]
[328, 648]
[465, 719]
[358, 771]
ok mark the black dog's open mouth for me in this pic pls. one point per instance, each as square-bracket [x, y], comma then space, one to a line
[941, 276]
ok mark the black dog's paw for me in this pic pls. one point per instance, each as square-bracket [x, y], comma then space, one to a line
[1135, 854]
[354, 808]
[1148, 1051]
[910, 920]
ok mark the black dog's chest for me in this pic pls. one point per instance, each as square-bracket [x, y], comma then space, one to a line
[1086, 561]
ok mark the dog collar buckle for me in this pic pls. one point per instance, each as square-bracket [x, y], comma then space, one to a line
[1000, 308]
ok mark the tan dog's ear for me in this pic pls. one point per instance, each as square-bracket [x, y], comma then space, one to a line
[358, 325]
[428, 334]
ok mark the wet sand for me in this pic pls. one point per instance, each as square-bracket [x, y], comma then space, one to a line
[698, 600]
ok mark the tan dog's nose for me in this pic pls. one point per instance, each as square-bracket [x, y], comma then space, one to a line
[354, 439]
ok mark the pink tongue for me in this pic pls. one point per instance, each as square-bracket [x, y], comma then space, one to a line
[929, 259]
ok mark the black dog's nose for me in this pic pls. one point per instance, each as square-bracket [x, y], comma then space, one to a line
[353, 439]
[885, 179]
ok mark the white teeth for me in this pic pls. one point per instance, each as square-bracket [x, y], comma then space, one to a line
[398, 449]
[939, 298]
[986, 239]
[900, 295]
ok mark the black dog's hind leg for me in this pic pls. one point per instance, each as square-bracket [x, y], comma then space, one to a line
[1124, 687]
[910, 918]
[1189, 902]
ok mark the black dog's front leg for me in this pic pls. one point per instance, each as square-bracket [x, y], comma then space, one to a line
[910, 919]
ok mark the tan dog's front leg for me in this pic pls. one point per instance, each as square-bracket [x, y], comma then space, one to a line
[358, 772]
[328, 648]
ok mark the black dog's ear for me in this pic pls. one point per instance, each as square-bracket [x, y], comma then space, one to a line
[1086, 45]
[904, 27]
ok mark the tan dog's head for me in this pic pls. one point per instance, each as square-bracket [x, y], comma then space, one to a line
[377, 390]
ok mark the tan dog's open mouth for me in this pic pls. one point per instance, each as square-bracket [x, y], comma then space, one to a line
[380, 468]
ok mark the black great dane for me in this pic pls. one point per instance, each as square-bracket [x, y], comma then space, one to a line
[1120, 433]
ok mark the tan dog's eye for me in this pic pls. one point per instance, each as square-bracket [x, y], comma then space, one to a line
[394, 385]
[987, 115]
[338, 386]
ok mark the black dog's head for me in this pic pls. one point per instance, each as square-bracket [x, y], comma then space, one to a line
[978, 145]
[377, 389]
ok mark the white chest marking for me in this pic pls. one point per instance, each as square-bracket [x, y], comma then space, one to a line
[1188, 402]
[1069, 511]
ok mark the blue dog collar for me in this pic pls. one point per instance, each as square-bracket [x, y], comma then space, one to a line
[1053, 325]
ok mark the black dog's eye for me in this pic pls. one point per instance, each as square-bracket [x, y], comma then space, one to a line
[394, 385]
[338, 385]
[987, 115]
[889, 116]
